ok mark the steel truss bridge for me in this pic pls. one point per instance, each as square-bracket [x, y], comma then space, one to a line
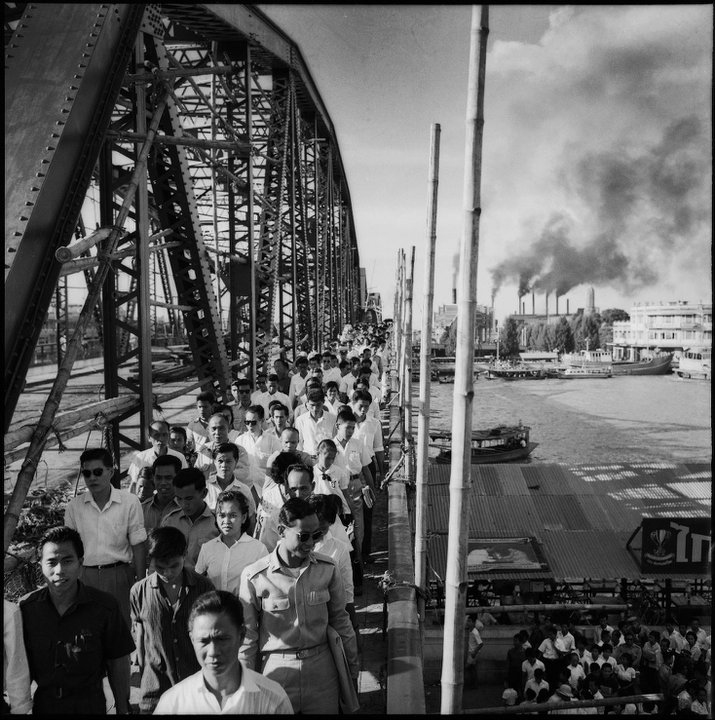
[177, 162]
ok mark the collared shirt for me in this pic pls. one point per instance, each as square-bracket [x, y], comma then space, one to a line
[223, 565]
[145, 458]
[195, 430]
[297, 384]
[266, 399]
[565, 643]
[285, 613]
[340, 554]
[528, 668]
[369, 431]
[548, 650]
[196, 532]
[346, 383]
[205, 461]
[239, 415]
[332, 375]
[70, 651]
[153, 514]
[258, 449]
[256, 695]
[575, 674]
[274, 496]
[16, 672]
[312, 431]
[109, 533]
[249, 492]
[353, 456]
[165, 652]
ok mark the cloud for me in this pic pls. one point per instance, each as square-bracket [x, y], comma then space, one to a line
[597, 149]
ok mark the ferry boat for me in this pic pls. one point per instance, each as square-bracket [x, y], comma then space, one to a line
[585, 371]
[502, 443]
[659, 364]
[517, 373]
[695, 363]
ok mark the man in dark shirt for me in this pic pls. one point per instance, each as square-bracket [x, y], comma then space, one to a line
[160, 606]
[73, 634]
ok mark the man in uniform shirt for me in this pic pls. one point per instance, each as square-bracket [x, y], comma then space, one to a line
[73, 633]
[193, 516]
[159, 435]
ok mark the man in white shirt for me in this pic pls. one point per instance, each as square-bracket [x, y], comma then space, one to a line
[261, 388]
[223, 477]
[259, 445]
[224, 685]
[159, 436]
[277, 419]
[111, 525]
[330, 373]
[297, 381]
[241, 390]
[272, 393]
[219, 434]
[315, 425]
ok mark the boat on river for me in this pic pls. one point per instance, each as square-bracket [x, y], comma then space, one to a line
[519, 372]
[503, 443]
[586, 372]
[696, 364]
[659, 364]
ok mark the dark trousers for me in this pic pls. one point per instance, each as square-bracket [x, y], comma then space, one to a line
[367, 536]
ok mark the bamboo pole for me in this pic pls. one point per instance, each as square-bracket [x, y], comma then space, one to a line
[44, 426]
[460, 476]
[407, 436]
[422, 480]
[569, 705]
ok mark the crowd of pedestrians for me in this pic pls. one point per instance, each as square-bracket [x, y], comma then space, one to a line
[550, 663]
[224, 576]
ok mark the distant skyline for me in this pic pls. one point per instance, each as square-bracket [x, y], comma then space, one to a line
[597, 144]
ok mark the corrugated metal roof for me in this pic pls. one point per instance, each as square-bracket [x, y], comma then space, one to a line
[584, 515]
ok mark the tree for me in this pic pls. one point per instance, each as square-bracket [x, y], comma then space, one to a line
[564, 339]
[509, 339]
[591, 327]
[614, 315]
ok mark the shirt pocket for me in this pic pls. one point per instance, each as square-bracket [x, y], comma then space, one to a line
[318, 597]
[275, 604]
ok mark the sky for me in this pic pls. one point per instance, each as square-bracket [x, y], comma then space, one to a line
[597, 153]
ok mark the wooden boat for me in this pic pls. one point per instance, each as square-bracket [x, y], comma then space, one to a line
[696, 363]
[586, 372]
[656, 365]
[499, 444]
[518, 373]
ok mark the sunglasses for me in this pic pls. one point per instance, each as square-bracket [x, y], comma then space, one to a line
[251, 422]
[97, 472]
[304, 536]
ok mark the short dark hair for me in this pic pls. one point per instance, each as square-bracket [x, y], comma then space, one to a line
[326, 507]
[221, 409]
[179, 430]
[327, 443]
[227, 447]
[346, 415]
[61, 534]
[238, 497]
[274, 405]
[281, 463]
[343, 363]
[97, 454]
[331, 385]
[190, 476]
[165, 543]
[257, 410]
[242, 382]
[361, 395]
[207, 395]
[216, 602]
[294, 509]
[315, 396]
[299, 467]
[301, 360]
[146, 472]
[167, 461]
[273, 377]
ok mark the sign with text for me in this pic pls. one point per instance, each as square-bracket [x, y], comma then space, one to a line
[678, 545]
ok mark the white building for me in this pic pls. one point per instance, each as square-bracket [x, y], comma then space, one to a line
[443, 319]
[668, 326]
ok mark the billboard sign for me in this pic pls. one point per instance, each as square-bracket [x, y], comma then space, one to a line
[679, 545]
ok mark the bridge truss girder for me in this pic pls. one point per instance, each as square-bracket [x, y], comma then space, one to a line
[240, 240]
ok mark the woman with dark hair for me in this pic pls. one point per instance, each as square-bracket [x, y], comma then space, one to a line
[290, 598]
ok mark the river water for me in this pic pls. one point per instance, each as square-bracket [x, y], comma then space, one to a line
[622, 419]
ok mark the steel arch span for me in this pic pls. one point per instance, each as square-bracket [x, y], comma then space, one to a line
[178, 163]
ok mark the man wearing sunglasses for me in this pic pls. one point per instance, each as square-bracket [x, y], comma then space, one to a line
[111, 525]
[258, 445]
[290, 598]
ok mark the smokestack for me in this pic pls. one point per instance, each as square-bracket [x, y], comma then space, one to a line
[557, 305]
[567, 307]
[533, 303]
[454, 296]
[546, 302]
[523, 308]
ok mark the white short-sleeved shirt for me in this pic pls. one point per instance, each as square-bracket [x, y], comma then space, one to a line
[214, 490]
[340, 553]
[353, 457]
[257, 695]
[528, 668]
[145, 458]
[223, 565]
[312, 431]
[259, 449]
[369, 431]
[109, 533]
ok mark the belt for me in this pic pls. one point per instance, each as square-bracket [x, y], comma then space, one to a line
[356, 477]
[299, 654]
[60, 692]
[107, 566]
